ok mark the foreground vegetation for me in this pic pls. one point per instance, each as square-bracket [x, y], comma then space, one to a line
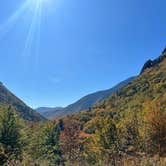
[63, 142]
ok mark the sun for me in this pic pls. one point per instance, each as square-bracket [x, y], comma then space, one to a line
[40, 2]
[35, 10]
[43, 1]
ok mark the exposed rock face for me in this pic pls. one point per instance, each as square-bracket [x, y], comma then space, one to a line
[152, 63]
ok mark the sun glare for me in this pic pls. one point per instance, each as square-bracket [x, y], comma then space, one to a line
[35, 8]
[40, 2]
[43, 1]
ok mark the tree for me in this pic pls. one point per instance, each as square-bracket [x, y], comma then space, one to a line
[156, 128]
[10, 136]
[51, 144]
[128, 131]
[70, 142]
[104, 143]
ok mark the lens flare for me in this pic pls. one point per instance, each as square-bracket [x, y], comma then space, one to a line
[39, 2]
[33, 38]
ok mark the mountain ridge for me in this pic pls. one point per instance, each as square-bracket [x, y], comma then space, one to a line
[151, 63]
[47, 109]
[87, 101]
[24, 111]
[146, 93]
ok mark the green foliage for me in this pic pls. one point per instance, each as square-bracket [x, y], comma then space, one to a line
[127, 129]
[103, 145]
[10, 142]
[139, 118]
[50, 148]
[106, 134]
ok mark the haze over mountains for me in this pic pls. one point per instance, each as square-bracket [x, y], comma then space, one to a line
[47, 109]
[84, 103]
[49, 112]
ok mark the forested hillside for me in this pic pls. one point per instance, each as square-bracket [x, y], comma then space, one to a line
[145, 90]
[135, 115]
[85, 102]
[8, 98]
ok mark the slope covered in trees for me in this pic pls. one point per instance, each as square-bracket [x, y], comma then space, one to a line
[127, 129]
[138, 114]
[8, 98]
[148, 87]
[85, 102]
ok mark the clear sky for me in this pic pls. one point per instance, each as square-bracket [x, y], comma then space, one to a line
[81, 46]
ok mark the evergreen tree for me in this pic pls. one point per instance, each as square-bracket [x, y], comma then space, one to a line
[51, 144]
[9, 136]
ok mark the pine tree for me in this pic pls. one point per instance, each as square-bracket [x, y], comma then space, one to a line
[51, 144]
[9, 136]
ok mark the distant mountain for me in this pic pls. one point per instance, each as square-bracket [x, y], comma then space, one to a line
[45, 109]
[85, 102]
[147, 92]
[27, 113]
[48, 112]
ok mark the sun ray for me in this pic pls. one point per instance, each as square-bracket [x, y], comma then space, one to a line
[38, 39]
[31, 32]
[32, 41]
[12, 20]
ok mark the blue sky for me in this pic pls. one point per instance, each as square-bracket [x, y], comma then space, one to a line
[84, 46]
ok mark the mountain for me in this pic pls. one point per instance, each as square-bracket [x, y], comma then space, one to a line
[8, 98]
[48, 112]
[85, 102]
[151, 63]
[46, 109]
[145, 93]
